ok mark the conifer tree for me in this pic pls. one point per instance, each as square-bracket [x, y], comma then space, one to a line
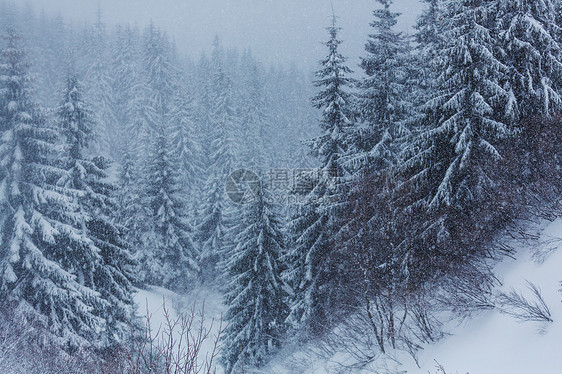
[449, 181]
[313, 272]
[384, 99]
[46, 260]
[212, 230]
[128, 91]
[168, 256]
[253, 119]
[256, 294]
[99, 85]
[185, 140]
[111, 274]
[429, 39]
[530, 47]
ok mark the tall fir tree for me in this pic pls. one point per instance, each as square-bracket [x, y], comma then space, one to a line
[99, 85]
[111, 275]
[128, 90]
[314, 272]
[168, 257]
[47, 261]
[253, 119]
[256, 294]
[530, 47]
[214, 224]
[429, 38]
[448, 171]
[185, 140]
[384, 98]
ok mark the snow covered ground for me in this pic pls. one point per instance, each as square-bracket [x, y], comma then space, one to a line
[495, 343]
[205, 303]
[489, 343]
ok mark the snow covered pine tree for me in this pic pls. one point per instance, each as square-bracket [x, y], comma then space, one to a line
[47, 259]
[317, 266]
[87, 180]
[256, 295]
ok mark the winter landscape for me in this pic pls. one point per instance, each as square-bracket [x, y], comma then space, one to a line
[284, 187]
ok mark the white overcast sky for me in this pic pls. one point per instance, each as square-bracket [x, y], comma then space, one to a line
[277, 30]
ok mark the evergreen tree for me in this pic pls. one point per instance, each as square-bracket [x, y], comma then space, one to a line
[133, 114]
[185, 141]
[111, 274]
[449, 178]
[429, 38]
[253, 119]
[256, 295]
[46, 260]
[384, 100]
[168, 256]
[161, 74]
[314, 272]
[128, 91]
[212, 230]
[336, 105]
[529, 38]
[530, 46]
[99, 85]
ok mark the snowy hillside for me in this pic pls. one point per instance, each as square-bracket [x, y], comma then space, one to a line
[165, 210]
[495, 343]
[490, 343]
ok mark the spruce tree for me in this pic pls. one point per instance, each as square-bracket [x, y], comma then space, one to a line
[46, 258]
[448, 172]
[168, 257]
[128, 91]
[313, 271]
[253, 119]
[429, 38]
[384, 103]
[256, 295]
[214, 224]
[99, 83]
[530, 47]
[87, 179]
[185, 140]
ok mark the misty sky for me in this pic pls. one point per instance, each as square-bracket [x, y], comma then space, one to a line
[277, 30]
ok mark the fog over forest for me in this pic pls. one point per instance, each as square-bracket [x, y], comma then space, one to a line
[283, 31]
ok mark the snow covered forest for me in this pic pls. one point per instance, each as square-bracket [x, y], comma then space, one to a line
[349, 215]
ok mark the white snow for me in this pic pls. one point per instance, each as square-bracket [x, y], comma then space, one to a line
[489, 343]
[492, 342]
[202, 301]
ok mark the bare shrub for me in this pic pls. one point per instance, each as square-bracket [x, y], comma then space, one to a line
[516, 305]
[176, 347]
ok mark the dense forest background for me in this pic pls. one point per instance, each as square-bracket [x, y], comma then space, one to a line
[338, 208]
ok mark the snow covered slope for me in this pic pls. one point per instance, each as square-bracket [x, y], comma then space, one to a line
[495, 343]
[490, 343]
[204, 304]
